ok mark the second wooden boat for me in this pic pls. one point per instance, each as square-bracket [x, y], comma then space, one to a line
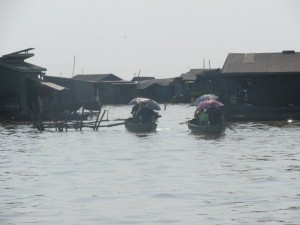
[140, 127]
[217, 128]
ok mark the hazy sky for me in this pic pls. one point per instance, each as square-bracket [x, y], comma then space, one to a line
[163, 38]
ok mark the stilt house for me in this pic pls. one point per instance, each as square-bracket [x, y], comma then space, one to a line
[22, 88]
[258, 86]
[112, 89]
[163, 90]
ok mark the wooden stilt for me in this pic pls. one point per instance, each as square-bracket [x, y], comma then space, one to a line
[100, 119]
[98, 114]
[81, 124]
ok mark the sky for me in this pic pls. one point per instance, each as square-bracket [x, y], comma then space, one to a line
[160, 38]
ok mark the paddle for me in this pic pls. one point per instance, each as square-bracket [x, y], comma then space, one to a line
[112, 125]
[115, 124]
[183, 123]
[230, 128]
[188, 119]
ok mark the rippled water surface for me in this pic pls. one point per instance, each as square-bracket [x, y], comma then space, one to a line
[112, 176]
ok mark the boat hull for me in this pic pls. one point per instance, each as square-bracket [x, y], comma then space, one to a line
[207, 129]
[140, 127]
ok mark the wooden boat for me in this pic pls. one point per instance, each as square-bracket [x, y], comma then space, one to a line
[140, 127]
[217, 128]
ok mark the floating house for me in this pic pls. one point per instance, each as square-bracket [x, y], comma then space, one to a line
[112, 89]
[23, 92]
[257, 86]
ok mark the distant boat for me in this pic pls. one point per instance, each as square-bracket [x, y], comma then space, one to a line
[140, 127]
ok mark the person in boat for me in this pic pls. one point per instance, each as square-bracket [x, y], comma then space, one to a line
[215, 115]
[134, 110]
[145, 114]
[197, 113]
[204, 117]
[201, 116]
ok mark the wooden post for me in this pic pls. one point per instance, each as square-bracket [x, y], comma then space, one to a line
[65, 120]
[66, 123]
[36, 117]
[77, 120]
[98, 114]
[35, 123]
[81, 117]
[56, 116]
[100, 119]
[61, 119]
[53, 119]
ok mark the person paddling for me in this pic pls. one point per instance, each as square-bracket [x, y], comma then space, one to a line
[145, 114]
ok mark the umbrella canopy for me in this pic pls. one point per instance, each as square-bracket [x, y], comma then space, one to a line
[209, 103]
[150, 103]
[205, 97]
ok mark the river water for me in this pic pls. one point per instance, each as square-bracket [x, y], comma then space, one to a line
[112, 176]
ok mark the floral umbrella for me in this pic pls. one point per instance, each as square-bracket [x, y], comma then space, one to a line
[209, 103]
[150, 103]
[205, 97]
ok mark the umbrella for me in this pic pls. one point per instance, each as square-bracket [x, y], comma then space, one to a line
[205, 97]
[209, 103]
[150, 103]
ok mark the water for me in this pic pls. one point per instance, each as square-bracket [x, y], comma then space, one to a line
[112, 176]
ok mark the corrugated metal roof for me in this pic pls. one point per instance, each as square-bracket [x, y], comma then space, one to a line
[142, 78]
[22, 66]
[21, 52]
[191, 75]
[54, 79]
[161, 82]
[145, 84]
[15, 61]
[262, 62]
[97, 77]
[122, 83]
[119, 82]
[51, 85]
